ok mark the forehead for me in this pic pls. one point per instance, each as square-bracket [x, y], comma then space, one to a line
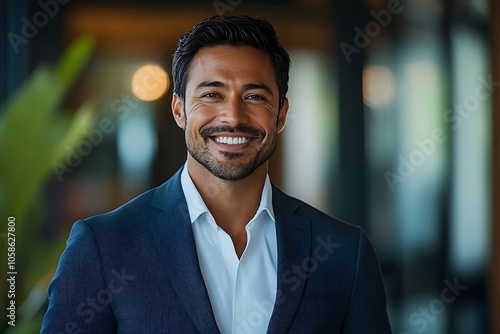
[231, 63]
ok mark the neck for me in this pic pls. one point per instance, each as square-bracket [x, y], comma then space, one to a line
[232, 203]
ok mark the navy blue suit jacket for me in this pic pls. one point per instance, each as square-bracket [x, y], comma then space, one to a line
[135, 270]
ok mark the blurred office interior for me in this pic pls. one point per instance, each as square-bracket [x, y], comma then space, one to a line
[391, 127]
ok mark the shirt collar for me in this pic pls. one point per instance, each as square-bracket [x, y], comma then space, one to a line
[197, 207]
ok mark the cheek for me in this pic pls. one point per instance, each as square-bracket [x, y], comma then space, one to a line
[266, 117]
[197, 119]
[269, 123]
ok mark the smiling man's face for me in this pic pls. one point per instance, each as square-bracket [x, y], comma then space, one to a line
[231, 113]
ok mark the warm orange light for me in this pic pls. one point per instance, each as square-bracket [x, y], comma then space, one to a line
[378, 86]
[150, 82]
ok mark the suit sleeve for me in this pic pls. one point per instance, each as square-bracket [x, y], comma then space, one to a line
[367, 309]
[79, 300]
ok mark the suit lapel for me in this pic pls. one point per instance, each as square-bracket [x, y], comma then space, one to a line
[293, 235]
[172, 231]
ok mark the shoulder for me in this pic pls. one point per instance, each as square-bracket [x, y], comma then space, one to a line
[130, 211]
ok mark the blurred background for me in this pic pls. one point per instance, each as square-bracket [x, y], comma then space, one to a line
[390, 127]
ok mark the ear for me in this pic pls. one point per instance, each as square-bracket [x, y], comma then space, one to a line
[282, 116]
[178, 111]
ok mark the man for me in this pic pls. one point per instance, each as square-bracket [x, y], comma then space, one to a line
[218, 248]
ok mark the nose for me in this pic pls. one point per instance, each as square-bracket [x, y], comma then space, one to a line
[234, 112]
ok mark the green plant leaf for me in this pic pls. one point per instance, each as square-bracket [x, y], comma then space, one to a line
[73, 60]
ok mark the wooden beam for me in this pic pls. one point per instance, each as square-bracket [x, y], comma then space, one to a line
[146, 32]
[495, 256]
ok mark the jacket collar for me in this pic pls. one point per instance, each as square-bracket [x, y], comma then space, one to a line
[197, 207]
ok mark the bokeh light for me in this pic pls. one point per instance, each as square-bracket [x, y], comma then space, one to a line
[150, 82]
[378, 86]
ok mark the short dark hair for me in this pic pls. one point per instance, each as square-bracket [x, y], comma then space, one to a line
[234, 30]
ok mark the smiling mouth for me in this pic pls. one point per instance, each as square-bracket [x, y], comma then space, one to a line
[232, 140]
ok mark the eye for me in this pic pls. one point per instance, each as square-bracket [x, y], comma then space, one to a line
[256, 97]
[211, 96]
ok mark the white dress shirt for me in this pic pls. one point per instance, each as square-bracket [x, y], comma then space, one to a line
[242, 291]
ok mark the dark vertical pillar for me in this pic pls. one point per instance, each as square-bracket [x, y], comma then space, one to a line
[447, 189]
[351, 193]
[495, 242]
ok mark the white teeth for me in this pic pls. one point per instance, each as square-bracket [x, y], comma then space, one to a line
[232, 140]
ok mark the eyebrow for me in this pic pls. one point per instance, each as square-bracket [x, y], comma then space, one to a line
[248, 86]
[215, 84]
[258, 86]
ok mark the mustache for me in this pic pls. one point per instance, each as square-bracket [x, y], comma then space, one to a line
[212, 130]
